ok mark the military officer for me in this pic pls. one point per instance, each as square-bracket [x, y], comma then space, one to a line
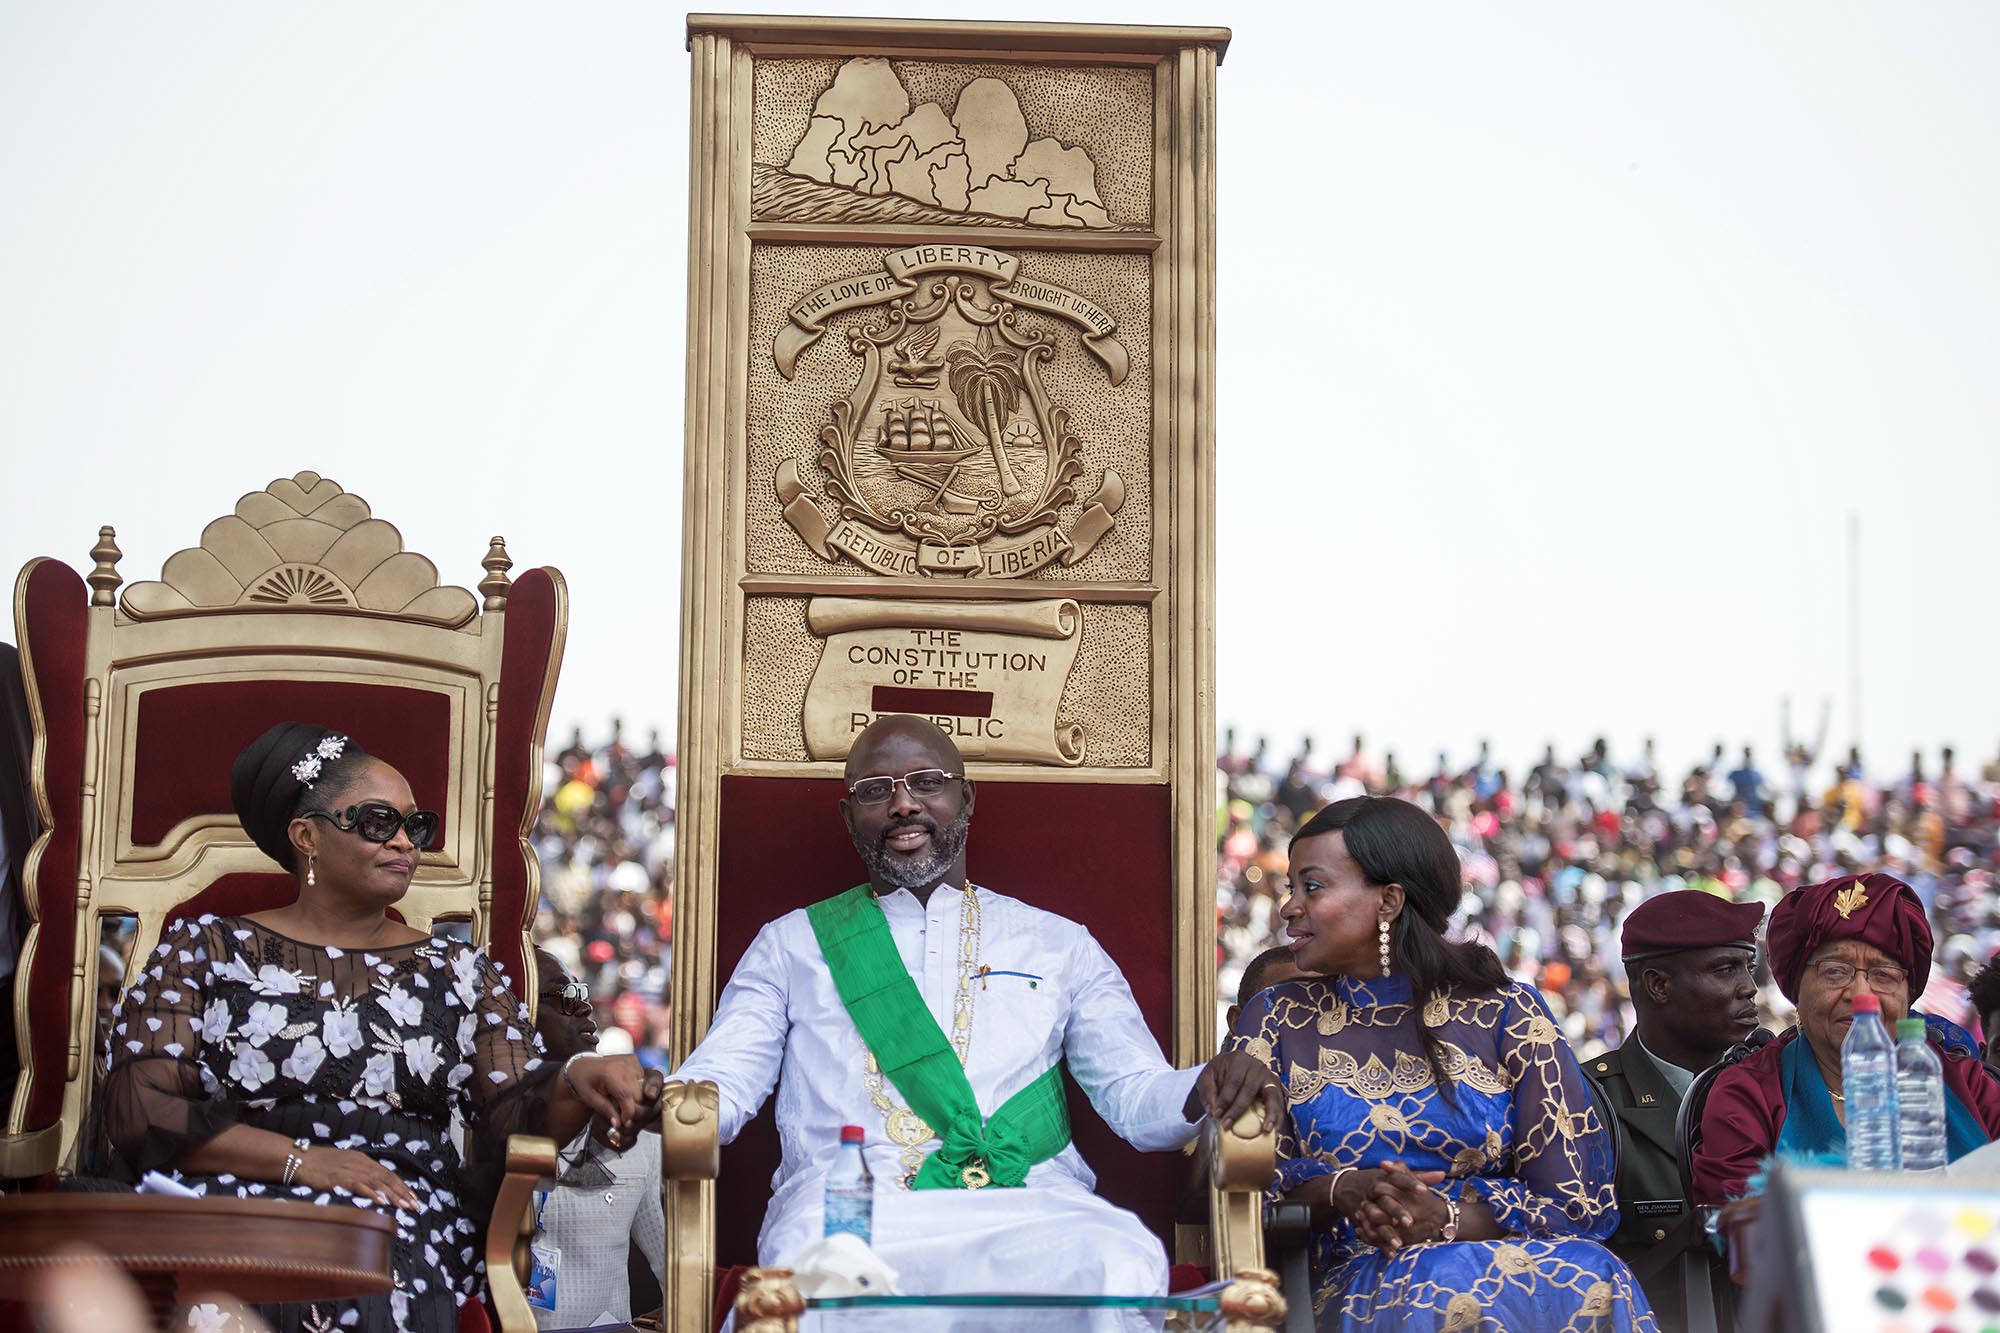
[1689, 961]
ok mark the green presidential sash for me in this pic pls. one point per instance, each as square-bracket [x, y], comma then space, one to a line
[912, 1052]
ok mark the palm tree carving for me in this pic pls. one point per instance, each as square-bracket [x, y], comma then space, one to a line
[987, 382]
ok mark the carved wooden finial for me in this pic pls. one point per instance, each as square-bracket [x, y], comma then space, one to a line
[104, 579]
[496, 583]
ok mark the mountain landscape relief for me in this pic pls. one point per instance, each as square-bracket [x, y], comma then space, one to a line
[868, 155]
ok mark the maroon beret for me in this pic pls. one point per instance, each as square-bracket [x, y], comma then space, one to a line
[1688, 919]
[1876, 909]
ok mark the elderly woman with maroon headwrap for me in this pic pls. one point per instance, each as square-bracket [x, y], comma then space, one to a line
[1826, 942]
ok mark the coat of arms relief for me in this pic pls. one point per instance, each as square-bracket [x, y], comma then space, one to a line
[947, 375]
[947, 455]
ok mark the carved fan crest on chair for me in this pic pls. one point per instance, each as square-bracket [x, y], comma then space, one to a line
[301, 543]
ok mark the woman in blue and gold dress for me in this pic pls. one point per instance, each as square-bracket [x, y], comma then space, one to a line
[1439, 1124]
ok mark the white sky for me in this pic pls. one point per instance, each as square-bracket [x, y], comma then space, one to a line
[1557, 340]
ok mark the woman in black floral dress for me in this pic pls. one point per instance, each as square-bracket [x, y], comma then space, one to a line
[317, 1051]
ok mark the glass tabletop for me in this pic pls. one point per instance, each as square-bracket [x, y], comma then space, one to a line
[1196, 1311]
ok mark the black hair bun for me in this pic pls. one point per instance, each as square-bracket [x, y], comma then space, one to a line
[272, 774]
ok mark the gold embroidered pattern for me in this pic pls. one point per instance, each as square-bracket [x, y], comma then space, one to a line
[1541, 1031]
[1519, 1135]
[1849, 901]
[1469, 1160]
[1375, 1081]
[1388, 1119]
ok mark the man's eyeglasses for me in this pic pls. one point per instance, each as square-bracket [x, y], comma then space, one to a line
[923, 782]
[1841, 975]
[573, 1000]
[378, 821]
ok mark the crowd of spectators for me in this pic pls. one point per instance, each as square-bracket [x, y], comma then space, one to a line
[605, 840]
[1555, 857]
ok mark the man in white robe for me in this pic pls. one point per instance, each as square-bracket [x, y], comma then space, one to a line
[1039, 991]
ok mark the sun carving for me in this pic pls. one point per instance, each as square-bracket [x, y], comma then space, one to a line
[300, 583]
[301, 543]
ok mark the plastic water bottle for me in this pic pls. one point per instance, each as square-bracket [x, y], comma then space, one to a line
[1868, 1080]
[1919, 1098]
[850, 1189]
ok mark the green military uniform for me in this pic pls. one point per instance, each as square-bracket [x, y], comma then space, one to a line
[1650, 1206]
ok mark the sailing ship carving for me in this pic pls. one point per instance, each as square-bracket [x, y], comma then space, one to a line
[923, 445]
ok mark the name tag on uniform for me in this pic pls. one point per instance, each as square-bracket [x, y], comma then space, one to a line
[1657, 1207]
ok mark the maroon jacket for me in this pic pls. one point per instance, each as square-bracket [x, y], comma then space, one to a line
[1746, 1109]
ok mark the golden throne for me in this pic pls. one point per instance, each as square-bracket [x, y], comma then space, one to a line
[979, 421]
[299, 604]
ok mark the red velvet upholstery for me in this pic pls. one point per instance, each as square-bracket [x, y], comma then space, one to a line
[244, 892]
[530, 655]
[728, 1281]
[1097, 854]
[190, 734]
[54, 604]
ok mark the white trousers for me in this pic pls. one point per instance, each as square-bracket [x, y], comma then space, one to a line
[1057, 1238]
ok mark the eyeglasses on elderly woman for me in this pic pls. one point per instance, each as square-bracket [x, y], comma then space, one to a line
[1833, 972]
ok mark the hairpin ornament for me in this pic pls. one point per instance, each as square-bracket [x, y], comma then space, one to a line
[316, 759]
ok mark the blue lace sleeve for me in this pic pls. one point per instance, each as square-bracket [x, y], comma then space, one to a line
[1560, 1182]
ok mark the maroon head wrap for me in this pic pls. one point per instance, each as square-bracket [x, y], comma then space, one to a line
[1876, 909]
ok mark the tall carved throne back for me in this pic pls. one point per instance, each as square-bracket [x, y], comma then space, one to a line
[298, 605]
[950, 452]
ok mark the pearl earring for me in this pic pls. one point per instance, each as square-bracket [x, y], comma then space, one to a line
[309, 882]
[1384, 935]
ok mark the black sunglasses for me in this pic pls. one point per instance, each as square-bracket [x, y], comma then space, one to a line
[378, 821]
[572, 999]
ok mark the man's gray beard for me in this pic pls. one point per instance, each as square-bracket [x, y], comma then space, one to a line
[946, 844]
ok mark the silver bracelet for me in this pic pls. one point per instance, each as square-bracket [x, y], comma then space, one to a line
[295, 1160]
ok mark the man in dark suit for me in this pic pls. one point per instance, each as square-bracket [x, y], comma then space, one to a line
[1689, 961]
[1984, 992]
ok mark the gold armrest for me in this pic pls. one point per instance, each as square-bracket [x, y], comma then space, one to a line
[1242, 1159]
[35, 1153]
[768, 1302]
[1245, 1157]
[690, 1157]
[1251, 1301]
[531, 1162]
[690, 1138]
